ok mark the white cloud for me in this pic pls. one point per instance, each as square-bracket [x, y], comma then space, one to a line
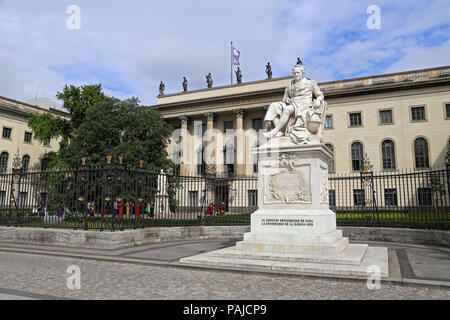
[422, 57]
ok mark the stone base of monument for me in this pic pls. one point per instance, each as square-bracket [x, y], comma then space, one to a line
[327, 254]
[294, 230]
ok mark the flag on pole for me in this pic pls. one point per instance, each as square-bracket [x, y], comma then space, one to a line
[235, 56]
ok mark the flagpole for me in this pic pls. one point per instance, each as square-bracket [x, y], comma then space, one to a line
[231, 62]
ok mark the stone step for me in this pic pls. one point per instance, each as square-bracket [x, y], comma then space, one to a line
[296, 237]
[301, 248]
[352, 254]
[375, 256]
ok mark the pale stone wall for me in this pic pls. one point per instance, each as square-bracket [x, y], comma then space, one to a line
[436, 129]
[15, 115]
[122, 239]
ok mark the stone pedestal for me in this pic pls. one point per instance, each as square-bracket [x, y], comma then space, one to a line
[293, 228]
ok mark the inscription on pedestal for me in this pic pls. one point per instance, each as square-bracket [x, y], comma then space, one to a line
[287, 222]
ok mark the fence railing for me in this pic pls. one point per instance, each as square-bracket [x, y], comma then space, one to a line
[118, 198]
[412, 199]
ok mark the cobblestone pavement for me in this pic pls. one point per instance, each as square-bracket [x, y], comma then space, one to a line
[47, 275]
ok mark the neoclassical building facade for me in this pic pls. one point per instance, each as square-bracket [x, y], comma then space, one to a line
[401, 121]
[16, 136]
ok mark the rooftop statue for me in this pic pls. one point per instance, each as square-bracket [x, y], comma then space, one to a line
[185, 84]
[300, 115]
[209, 80]
[269, 70]
[161, 88]
[239, 75]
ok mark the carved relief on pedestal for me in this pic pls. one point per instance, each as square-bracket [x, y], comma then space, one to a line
[324, 186]
[291, 182]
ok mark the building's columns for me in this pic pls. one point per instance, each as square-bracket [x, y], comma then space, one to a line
[184, 153]
[211, 145]
[240, 142]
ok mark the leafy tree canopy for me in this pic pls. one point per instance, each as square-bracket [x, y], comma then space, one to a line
[101, 125]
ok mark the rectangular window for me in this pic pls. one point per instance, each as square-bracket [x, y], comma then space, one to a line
[418, 113]
[28, 137]
[193, 198]
[355, 119]
[229, 169]
[328, 122]
[424, 196]
[385, 116]
[390, 197]
[47, 142]
[252, 198]
[227, 125]
[2, 197]
[7, 133]
[358, 197]
[447, 110]
[332, 199]
[257, 124]
[201, 168]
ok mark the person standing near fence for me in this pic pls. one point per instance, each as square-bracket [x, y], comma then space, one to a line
[210, 209]
[222, 209]
[138, 210]
[152, 209]
[59, 211]
[132, 209]
[120, 205]
[128, 209]
[116, 208]
[147, 209]
[103, 209]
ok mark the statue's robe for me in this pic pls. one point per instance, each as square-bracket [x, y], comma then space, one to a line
[301, 95]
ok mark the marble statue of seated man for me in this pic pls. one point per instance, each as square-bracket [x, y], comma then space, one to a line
[301, 111]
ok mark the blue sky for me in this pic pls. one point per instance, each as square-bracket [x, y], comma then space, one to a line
[130, 46]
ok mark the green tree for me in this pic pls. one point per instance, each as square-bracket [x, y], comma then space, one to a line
[100, 125]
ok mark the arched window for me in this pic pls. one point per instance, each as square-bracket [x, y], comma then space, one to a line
[388, 154]
[4, 162]
[421, 153]
[25, 163]
[357, 155]
[331, 162]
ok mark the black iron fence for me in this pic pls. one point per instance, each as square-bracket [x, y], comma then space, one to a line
[115, 197]
[408, 198]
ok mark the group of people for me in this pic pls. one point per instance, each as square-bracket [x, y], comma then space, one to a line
[61, 213]
[121, 209]
[130, 209]
[210, 210]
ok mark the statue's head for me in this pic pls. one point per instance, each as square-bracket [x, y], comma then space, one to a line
[298, 71]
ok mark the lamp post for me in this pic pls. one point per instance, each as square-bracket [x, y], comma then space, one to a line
[366, 172]
[15, 186]
[83, 186]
